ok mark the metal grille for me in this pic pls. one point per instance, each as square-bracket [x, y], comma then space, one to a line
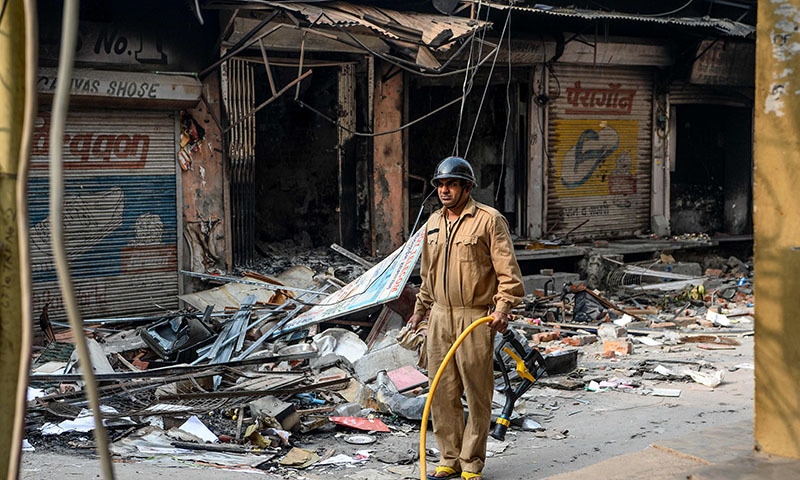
[240, 102]
[599, 152]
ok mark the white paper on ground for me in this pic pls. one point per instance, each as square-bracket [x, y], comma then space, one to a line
[26, 446]
[624, 320]
[84, 422]
[339, 459]
[717, 318]
[650, 342]
[197, 428]
[666, 392]
[662, 370]
[711, 379]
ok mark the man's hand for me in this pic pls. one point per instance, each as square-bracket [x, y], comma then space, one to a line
[413, 321]
[499, 322]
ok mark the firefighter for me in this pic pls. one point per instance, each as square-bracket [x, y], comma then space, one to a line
[468, 271]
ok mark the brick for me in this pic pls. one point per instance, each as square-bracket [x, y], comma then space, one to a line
[544, 337]
[579, 340]
[622, 346]
[663, 325]
[714, 272]
[704, 323]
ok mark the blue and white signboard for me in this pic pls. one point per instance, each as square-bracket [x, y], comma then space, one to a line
[380, 284]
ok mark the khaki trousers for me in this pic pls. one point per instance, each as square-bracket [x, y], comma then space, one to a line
[470, 371]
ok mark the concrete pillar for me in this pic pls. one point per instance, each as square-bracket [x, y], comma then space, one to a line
[389, 172]
[777, 228]
[15, 305]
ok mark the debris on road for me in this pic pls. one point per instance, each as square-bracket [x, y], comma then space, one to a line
[244, 377]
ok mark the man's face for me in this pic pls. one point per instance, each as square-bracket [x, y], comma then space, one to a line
[452, 192]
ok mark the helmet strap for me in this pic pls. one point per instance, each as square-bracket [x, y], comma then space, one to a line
[461, 196]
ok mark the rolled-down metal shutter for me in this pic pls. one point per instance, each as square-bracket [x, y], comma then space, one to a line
[687, 93]
[120, 214]
[599, 152]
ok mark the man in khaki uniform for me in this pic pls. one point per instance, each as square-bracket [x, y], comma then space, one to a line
[468, 271]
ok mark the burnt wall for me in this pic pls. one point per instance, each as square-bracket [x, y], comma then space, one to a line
[492, 144]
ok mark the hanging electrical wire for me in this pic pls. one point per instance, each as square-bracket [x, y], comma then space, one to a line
[413, 67]
[377, 134]
[469, 71]
[508, 116]
[671, 12]
[488, 82]
[469, 79]
[661, 14]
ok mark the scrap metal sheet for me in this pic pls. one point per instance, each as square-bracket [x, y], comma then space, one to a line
[344, 14]
[229, 295]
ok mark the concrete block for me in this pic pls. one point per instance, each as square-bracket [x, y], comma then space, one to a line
[660, 225]
[387, 358]
[663, 325]
[610, 331]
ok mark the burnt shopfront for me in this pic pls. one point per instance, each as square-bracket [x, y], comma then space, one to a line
[121, 206]
[139, 167]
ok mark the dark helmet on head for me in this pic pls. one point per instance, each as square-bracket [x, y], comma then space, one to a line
[454, 167]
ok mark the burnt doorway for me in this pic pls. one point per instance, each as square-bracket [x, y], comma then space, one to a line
[297, 165]
[711, 177]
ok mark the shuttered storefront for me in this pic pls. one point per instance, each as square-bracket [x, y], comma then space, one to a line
[120, 214]
[687, 93]
[599, 152]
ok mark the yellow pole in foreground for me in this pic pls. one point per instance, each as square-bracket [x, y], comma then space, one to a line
[423, 430]
[17, 105]
[776, 228]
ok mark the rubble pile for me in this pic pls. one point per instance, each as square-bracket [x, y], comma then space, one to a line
[236, 382]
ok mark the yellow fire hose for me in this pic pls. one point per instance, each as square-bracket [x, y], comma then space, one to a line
[423, 467]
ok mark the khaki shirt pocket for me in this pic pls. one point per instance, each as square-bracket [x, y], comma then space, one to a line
[465, 248]
[432, 246]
